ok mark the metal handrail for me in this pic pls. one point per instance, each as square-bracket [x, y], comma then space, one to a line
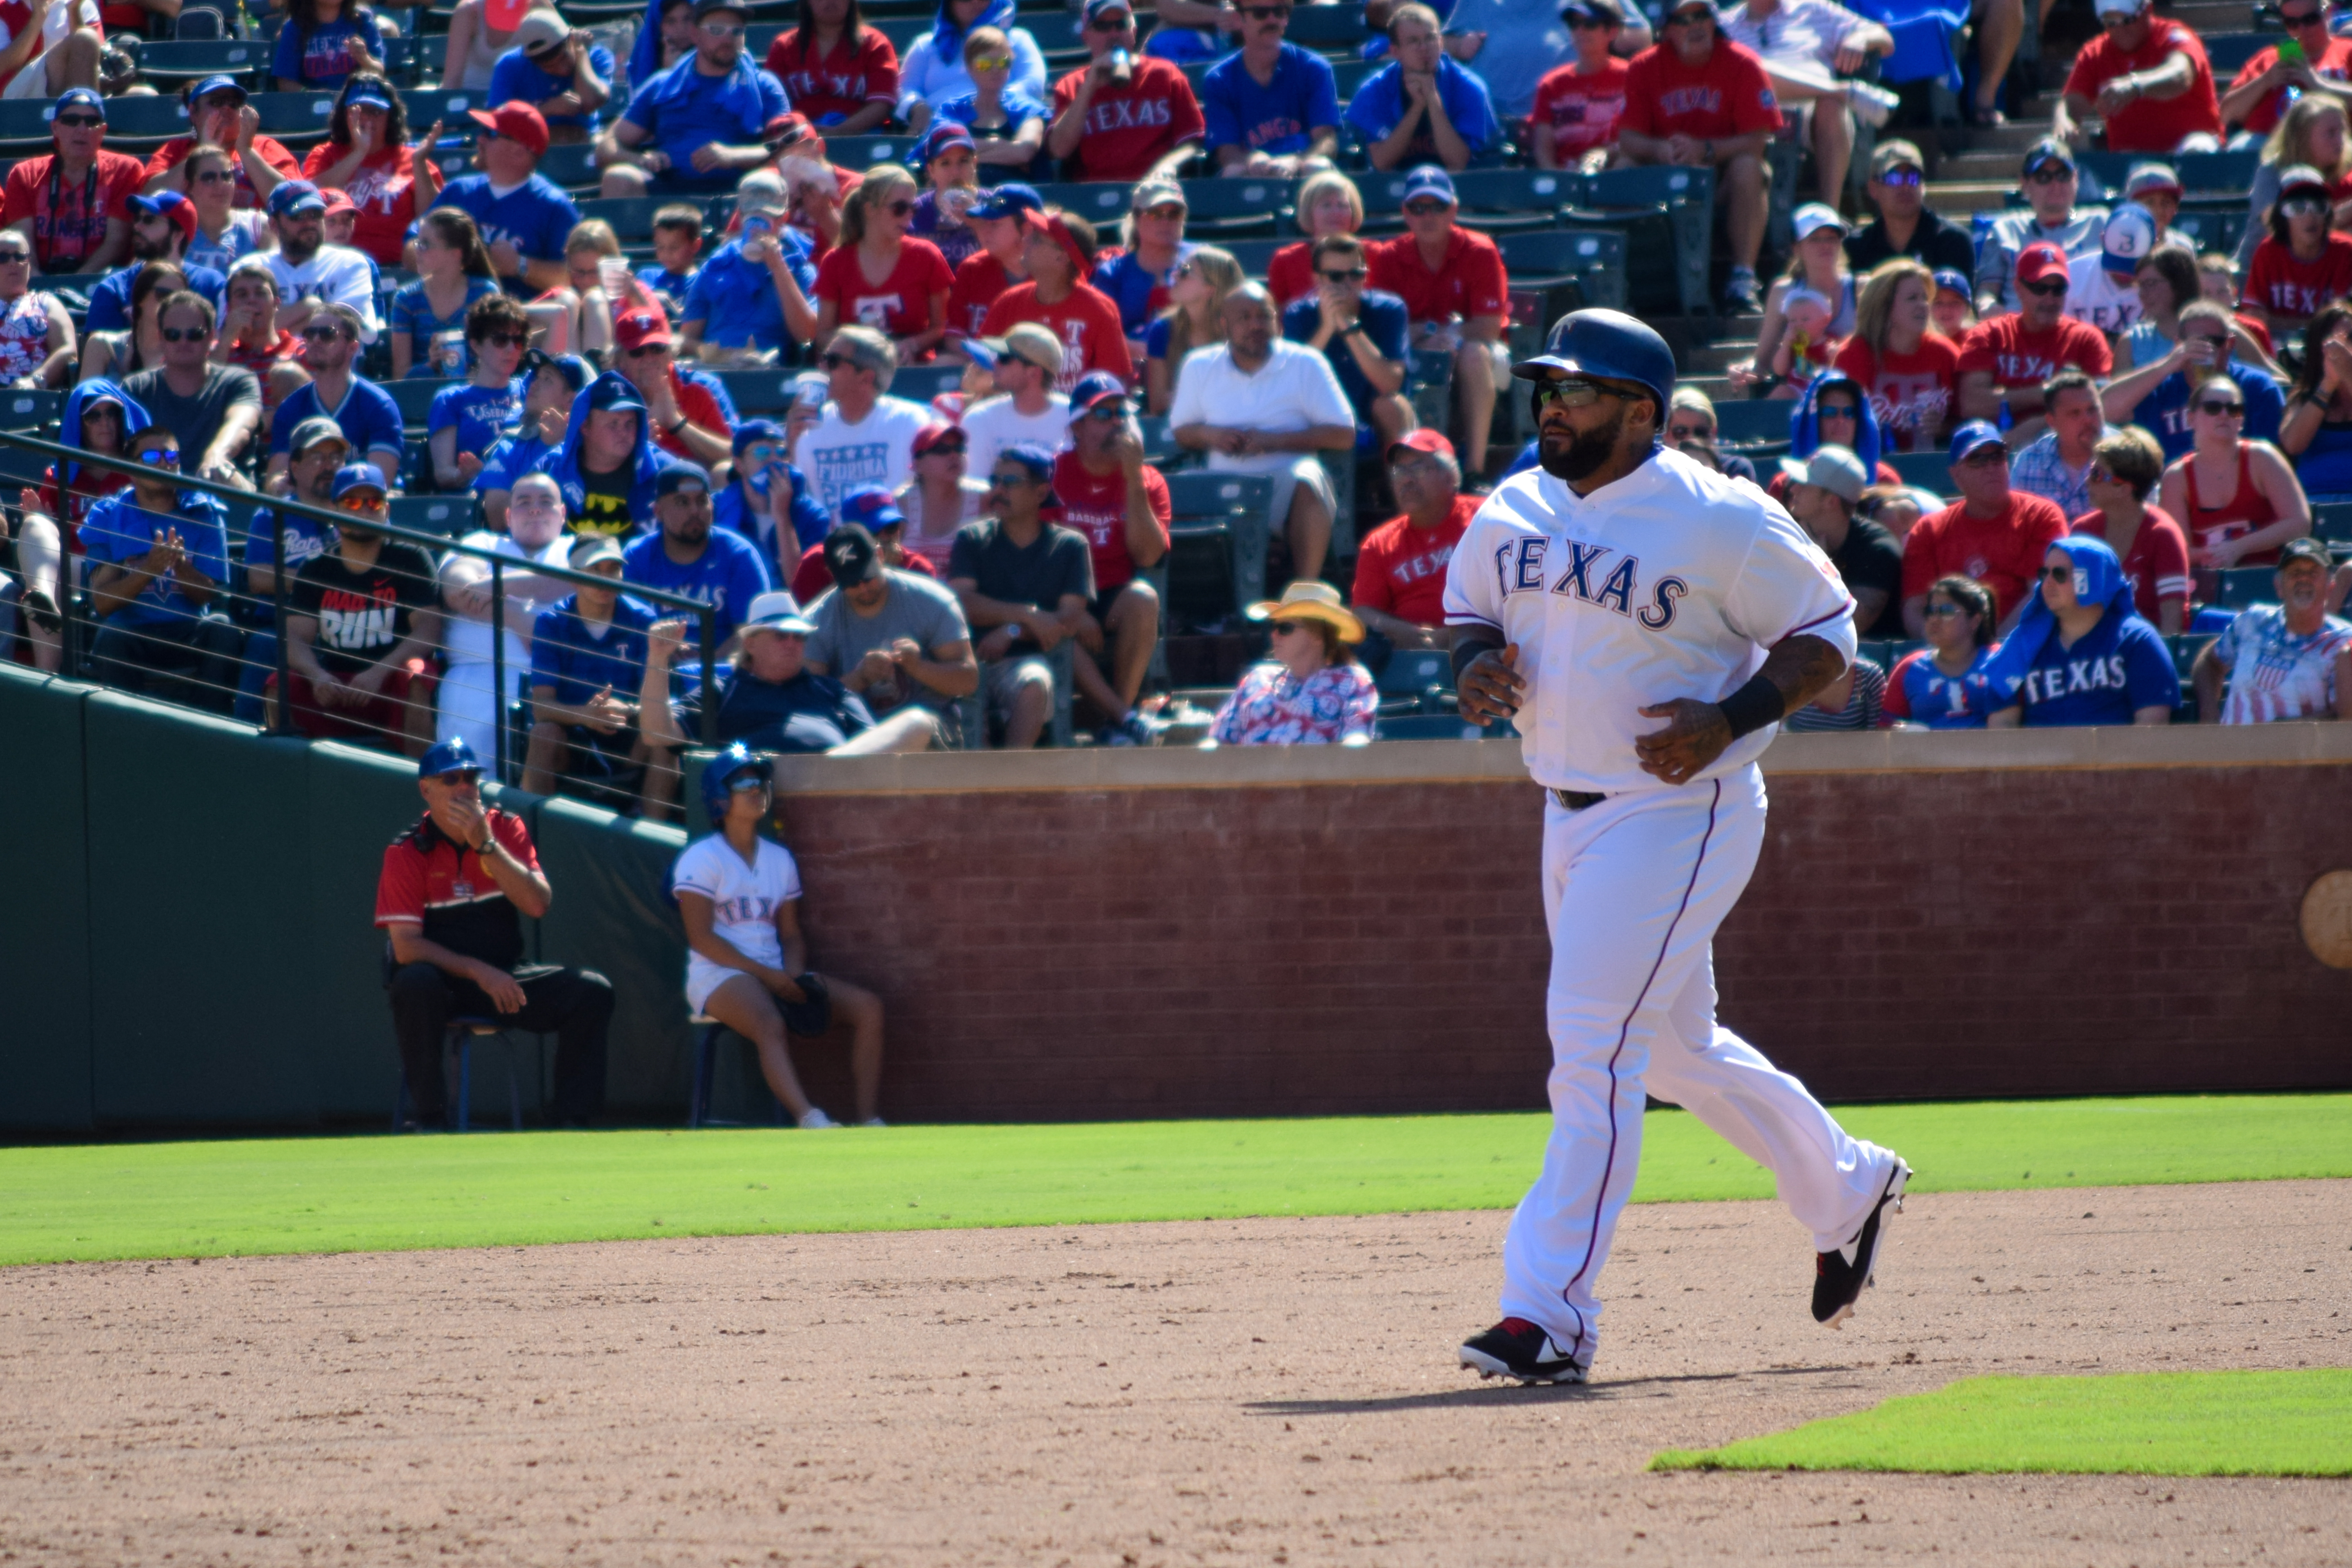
[706, 618]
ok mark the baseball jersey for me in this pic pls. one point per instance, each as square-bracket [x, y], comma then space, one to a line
[2156, 564]
[2275, 674]
[1469, 282]
[2017, 355]
[1400, 569]
[1920, 693]
[744, 899]
[2004, 552]
[1672, 582]
[1728, 96]
[1582, 110]
[1911, 393]
[2285, 286]
[2106, 299]
[2150, 124]
[830, 87]
[2118, 668]
[1096, 505]
[1129, 129]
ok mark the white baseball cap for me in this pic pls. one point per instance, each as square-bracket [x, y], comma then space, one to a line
[2130, 235]
[777, 611]
[1814, 216]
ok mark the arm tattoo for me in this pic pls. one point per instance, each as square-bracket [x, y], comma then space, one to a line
[1801, 667]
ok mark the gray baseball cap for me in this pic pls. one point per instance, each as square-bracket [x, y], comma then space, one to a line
[312, 431]
[593, 548]
[1834, 468]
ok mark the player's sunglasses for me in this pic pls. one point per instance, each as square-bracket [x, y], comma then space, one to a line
[1573, 392]
[746, 783]
[2053, 289]
[2221, 409]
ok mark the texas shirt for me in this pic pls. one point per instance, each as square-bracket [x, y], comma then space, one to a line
[1096, 505]
[2285, 286]
[2114, 669]
[2004, 552]
[897, 306]
[2150, 124]
[830, 87]
[1400, 569]
[1086, 321]
[1129, 129]
[1582, 110]
[1919, 691]
[1275, 118]
[69, 217]
[1469, 281]
[727, 576]
[2018, 356]
[1727, 96]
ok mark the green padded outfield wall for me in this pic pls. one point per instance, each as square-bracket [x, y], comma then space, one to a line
[188, 942]
[44, 953]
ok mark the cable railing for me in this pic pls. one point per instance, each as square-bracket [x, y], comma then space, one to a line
[236, 658]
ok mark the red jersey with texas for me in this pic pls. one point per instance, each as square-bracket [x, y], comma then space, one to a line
[2287, 286]
[1129, 129]
[1582, 110]
[820, 86]
[1096, 505]
[1086, 321]
[1728, 96]
[2018, 356]
[69, 217]
[1400, 569]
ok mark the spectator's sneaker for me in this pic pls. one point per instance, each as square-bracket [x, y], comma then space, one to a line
[1137, 729]
[816, 1119]
[42, 610]
[1739, 292]
[1871, 103]
[874, 1121]
[1517, 1349]
[1838, 1275]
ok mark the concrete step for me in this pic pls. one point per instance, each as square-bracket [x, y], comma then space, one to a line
[1959, 198]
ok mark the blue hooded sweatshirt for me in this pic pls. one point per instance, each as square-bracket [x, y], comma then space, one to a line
[563, 463]
[96, 390]
[1804, 422]
[2116, 669]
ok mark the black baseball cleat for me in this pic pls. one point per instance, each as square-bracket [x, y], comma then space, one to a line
[1838, 1275]
[1517, 1349]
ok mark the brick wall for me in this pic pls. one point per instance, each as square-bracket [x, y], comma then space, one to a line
[1379, 946]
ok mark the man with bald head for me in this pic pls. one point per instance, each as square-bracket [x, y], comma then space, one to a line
[1259, 404]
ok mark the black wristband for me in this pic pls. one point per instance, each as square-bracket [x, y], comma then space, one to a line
[1753, 705]
[1468, 648]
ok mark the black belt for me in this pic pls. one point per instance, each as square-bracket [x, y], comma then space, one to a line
[1577, 800]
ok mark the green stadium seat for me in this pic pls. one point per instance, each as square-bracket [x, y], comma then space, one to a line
[2331, 520]
[2185, 648]
[863, 151]
[448, 516]
[1326, 27]
[167, 62]
[2202, 175]
[1686, 198]
[632, 217]
[1593, 260]
[1256, 255]
[1347, 76]
[1427, 727]
[763, 390]
[1099, 204]
[1220, 209]
[414, 396]
[1752, 422]
[144, 118]
[426, 104]
[901, 30]
[921, 383]
[26, 121]
[285, 114]
[2243, 587]
[1417, 680]
[28, 408]
[2228, 51]
[1926, 469]
[572, 165]
[1217, 531]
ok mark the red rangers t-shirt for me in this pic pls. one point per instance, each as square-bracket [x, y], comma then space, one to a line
[1912, 395]
[1290, 274]
[1728, 96]
[1582, 110]
[980, 281]
[1086, 321]
[2158, 562]
[1400, 569]
[1469, 282]
[383, 189]
[858, 72]
[2334, 65]
[2004, 552]
[1096, 505]
[899, 306]
[2285, 287]
[69, 217]
[2018, 356]
[2150, 124]
[1129, 129]
[173, 153]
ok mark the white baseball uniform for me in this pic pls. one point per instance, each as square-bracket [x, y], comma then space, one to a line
[1672, 582]
[744, 897]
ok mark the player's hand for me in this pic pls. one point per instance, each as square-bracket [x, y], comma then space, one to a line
[1491, 686]
[1679, 753]
[501, 988]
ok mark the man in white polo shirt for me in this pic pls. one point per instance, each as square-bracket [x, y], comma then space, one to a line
[1025, 361]
[1259, 404]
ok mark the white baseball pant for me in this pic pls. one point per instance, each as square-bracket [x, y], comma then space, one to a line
[1634, 888]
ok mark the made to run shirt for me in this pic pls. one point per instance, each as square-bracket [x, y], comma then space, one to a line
[2285, 286]
[830, 87]
[1093, 338]
[1582, 110]
[2004, 552]
[2018, 356]
[1470, 282]
[1129, 129]
[1400, 569]
[1096, 505]
[366, 612]
[2275, 674]
[1277, 118]
[69, 217]
[897, 306]
[2154, 125]
[1728, 96]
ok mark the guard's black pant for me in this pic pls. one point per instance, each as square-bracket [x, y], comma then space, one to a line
[576, 1005]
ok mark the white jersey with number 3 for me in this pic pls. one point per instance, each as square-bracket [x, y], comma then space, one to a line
[1672, 582]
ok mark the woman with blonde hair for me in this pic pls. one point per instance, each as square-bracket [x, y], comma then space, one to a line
[2312, 134]
[577, 319]
[1910, 371]
[1194, 320]
[880, 274]
[1328, 203]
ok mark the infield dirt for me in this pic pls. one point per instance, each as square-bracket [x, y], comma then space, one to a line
[1228, 1391]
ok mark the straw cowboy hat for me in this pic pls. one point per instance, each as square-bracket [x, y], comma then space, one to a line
[1307, 600]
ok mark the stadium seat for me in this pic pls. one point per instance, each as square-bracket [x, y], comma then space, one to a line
[1347, 76]
[573, 166]
[901, 30]
[460, 1037]
[2243, 587]
[921, 383]
[413, 395]
[169, 62]
[1686, 198]
[1593, 260]
[200, 24]
[1417, 680]
[1254, 255]
[293, 114]
[25, 121]
[632, 217]
[866, 149]
[706, 1031]
[1220, 209]
[762, 391]
[29, 409]
[2331, 520]
[1098, 204]
[1926, 469]
[449, 516]
[1322, 28]
[1750, 422]
[426, 104]
[1217, 530]
[1429, 386]
[1520, 198]
[145, 118]
[2216, 175]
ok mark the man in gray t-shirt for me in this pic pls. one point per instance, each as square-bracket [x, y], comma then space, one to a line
[893, 637]
[214, 408]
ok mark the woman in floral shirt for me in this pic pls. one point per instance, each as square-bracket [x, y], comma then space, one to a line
[1312, 691]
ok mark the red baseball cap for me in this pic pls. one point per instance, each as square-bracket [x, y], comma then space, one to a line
[2036, 262]
[639, 329]
[1053, 226]
[785, 128]
[1425, 439]
[338, 202]
[517, 121]
[930, 436]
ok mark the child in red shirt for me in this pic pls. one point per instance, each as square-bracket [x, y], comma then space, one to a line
[1074, 311]
[2301, 265]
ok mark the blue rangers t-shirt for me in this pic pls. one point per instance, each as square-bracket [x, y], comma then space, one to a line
[736, 300]
[480, 414]
[535, 218]
[1277, 118]
[305, 541]
[1131, 285]
[567, 654]
[119, 529]
[682, 109]
[369, 418]
[2120, 667]
[514, 77]
[1921, 694]
[110, 297]
[320, 55]
[1387, 323]
[728, 575]
[2164, 412]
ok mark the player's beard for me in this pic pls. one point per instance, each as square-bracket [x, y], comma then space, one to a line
[1586, 453]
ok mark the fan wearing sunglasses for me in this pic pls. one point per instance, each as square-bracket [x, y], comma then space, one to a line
[2238, 499]
[36, 332]
[215, 408]
[70, 204]
[1906, 225]
[881, 275]
[2303, 263]
[1994, 533]
[2081, 654]
[157, 558]
[695, 128]
[468, 419]
[2148, 77]
[2258, 96]
[330, 343]
[2007, 358]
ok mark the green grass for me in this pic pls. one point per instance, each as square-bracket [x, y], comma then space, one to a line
[2152, 1422]
[330, 1194]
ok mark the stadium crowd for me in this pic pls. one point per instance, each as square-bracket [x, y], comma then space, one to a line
[366, 314]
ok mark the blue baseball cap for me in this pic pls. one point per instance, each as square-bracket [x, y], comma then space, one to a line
[358, 477]
[610, 392]
[1034, 455]
[1006, 200]
[1429, 180]
[1972, 436]
[450, 756]
[1096, 386]
[1952, 281]
[942, 135]
[751, 430]
[213, 84]
[294, 196]
[869, 508]
[78, 98]
[368, 92]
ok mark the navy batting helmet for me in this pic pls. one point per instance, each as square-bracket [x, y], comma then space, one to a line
[719, 778]
[1607, 343]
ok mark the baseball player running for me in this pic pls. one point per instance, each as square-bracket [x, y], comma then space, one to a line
[1649, 622]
